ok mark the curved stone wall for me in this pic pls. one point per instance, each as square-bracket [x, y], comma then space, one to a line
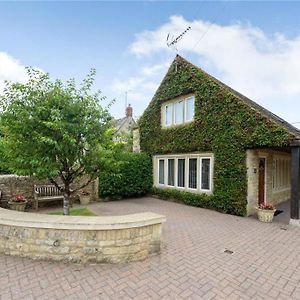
[112, 239]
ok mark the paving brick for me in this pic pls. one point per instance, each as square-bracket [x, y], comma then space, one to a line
[192, 264]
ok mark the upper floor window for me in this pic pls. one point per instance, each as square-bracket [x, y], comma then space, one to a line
[178, 111]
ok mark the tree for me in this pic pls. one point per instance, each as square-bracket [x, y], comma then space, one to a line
[54, 130]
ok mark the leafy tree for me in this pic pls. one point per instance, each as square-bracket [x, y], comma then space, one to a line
[54, 130]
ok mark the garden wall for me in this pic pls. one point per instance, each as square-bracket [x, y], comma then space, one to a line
[12, 185]
[115, 239]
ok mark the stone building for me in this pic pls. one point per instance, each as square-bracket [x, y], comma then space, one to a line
[124, 127]
[206, 138]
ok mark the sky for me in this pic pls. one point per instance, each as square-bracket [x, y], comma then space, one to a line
[254, 47]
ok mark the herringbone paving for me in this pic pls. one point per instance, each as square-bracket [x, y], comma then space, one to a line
[265, 263]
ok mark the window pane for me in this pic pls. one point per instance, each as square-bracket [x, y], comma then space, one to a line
[171, 172]
[181, 172]
[161, 174]
[179, 112]
[205, 172]
[193, 173]
[189, 109]
[169, 114]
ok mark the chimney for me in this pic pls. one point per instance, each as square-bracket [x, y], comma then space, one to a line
[128, 111]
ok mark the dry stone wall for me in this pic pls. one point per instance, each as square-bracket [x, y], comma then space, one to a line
[12, 185]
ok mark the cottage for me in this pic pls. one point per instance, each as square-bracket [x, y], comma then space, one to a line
[124, 126]
[224, 149]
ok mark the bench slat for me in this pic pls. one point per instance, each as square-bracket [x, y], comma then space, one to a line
[44, 193]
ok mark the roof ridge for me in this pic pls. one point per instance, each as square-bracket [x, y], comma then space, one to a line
[289, 127]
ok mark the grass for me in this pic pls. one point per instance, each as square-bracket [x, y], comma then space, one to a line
[75, 212]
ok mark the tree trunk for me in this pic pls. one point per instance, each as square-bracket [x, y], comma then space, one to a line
[67, 200]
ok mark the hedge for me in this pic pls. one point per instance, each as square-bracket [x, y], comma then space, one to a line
[130, 176]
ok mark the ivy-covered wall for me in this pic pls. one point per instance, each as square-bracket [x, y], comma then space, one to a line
[224, 124]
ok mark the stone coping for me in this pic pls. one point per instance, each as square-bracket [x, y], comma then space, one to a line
[36, 220]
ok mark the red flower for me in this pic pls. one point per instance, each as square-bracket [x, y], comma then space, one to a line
[266, 206]
[20, 198]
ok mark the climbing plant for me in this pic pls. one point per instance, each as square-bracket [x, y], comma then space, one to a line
[224, 124]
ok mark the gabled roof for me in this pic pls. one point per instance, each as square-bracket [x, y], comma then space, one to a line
[119, 124]
[290, 128]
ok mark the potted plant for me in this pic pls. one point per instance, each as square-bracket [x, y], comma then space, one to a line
[84, 197]
[265, 213]
[19, 203]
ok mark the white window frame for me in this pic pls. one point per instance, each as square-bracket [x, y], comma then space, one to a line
[175, 111]
[199, 156]
[210, 173]
[185, 109]
[161, 184]
[167, 169]
[172, 105]
[197, 173]
[281, 173]
[176, 173]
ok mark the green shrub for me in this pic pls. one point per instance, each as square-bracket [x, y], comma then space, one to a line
[130, 176]
[200, 200]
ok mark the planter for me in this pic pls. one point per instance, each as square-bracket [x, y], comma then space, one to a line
[19, 206]
[84, 200]
[265, 215]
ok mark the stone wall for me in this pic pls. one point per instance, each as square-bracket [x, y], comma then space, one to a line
[115, 239]
[271, 196]
[136, 141]
[12, 185]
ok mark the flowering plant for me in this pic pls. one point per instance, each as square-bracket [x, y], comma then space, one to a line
[266, 206]
[85, 192]
[20, 198]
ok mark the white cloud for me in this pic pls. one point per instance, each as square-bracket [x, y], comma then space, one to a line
[11, 69]
[264, 68]
[140, 88]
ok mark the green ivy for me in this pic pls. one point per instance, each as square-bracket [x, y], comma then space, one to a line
[224, 124]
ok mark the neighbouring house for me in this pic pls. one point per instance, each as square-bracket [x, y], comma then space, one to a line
[208, 140]
[124, 126]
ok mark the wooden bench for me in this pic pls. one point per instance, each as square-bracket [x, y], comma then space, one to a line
[44, 193]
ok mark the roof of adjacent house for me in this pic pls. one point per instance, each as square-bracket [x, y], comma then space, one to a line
[290, 128]
[119, 124]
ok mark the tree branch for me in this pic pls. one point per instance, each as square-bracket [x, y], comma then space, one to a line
[56, 184]
[92, 177]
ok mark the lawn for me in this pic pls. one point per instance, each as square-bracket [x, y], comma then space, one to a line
[75, 212]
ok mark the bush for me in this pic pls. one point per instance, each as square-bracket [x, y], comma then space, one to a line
[130, 176]
[200, 200]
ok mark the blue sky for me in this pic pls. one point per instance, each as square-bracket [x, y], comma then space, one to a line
[252, 46]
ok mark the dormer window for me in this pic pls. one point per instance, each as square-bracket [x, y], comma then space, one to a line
[178, 111]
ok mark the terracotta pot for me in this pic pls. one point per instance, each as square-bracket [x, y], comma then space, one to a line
[265, 215]
[84, 200]
[19, 206]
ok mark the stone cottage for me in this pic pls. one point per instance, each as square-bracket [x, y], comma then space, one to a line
[208, 139]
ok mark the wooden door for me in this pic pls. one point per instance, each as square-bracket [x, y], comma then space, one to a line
[261, 180]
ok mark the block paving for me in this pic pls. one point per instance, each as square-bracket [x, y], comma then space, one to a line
[262, 261]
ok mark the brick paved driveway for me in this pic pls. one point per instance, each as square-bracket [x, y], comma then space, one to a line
[265, 263]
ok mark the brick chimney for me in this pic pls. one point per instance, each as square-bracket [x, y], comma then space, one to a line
[129, 111]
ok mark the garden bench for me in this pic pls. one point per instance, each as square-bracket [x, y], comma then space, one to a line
[44, 193]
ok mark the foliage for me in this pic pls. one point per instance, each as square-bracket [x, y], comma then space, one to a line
[200, 200]
[129, 176]
[76, 212]
[224, 125]
[50, 130]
